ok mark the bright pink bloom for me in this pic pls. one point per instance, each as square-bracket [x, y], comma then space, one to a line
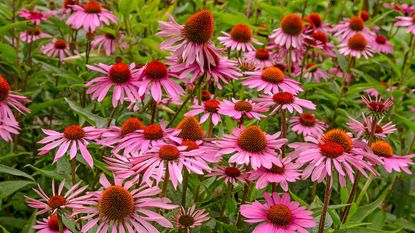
[90, 16]
[190, 218]
[278, 214]
[74, 137]
[57, 48]
[10, 99]
[237, 109]
[261, 58]
[239, 39]
[290, 35]
[349, 27]
[114, 134]
[109, 43]
[209, 108]
[230, 174]
[34, 15]
[356, 46]
[124, 79]
[408, 22]
[49, 225]
[29, 35]
[382, 45]
[7, 128]
[365, 128]
[121, 208]
[377, 105]
[312, 71]
[307, 124]
[404, 8]
[286, 101]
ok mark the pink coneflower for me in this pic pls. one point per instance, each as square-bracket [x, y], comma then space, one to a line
[239, 39]
[382, 45]
[365, 128]
[404, 8]
[282, 175]
[230, 174]
[122, 207]
[190, 218]
[10, 99]
[209, 108]
[307, 124]
[237, 109]
[261, 58]
[75, 137]
[57, 48]
[377, 106]
[408, 22]
[66, 8]
[290, 35]
[286, 101]
[7, 128]
[191, 42]
[30, 35]
[339, 73]
[57, 201]
[115, 134]
[317, 23]
[49, 225]
[271, 79]
[252, 146]
[108, 42]
[34, 15]
[312, 71]
[90, 16]
[124, 79]
[349, 27]
[390, 160]
[356, 46]
[323, 43]
[156, 76]
[278, 214]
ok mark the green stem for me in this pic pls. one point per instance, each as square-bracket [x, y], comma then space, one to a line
[227, 194]
[184, 187]
[364, 189]
[244, 198]
[283, 125]
[165, 181]
[60, 224]
[73, 170]
[343, 90]
[210, 129]
[153, 112]
[327, 196]
[111, 116]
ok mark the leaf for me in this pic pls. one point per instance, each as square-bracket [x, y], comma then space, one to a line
[9, 52]
[98, 121]
[406, 121]
[28, 226]
[9, 187]
[48, 173]
[15, 172]
[69, 224]
[8, 26]
[4, 229]
[364, 211]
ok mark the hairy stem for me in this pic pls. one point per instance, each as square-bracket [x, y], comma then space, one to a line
[327, 195]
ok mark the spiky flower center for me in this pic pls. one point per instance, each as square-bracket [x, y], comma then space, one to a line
[243, 106]
[272, 75]
[190, 129]
[74, 132]
[56, 201]
[378, 128]
[169, 153]
[53, 223]
[212, 106]
[92, 7]
[292, 24]
[364, 15]
[232, 172]
[320, 36]
[155, 70]
[116, 203]
[109, 36]
[283, 98]
[279, 215]
[356, 23]
[205, 95]
[316, 19]
[153, 132]
[186, 220]
[262, 54]
[252, 139]
[382, 148]
[60, 44]
[198, 28]
[377, 106]
[119, 73]
[4, 88]
[331, 149]
[276, 169]
[357, 42]
[312, 66]
[191, 145]
[307, 119]
[380, 40]
[241, 33]
[131, 125]
[35, 32]
[413, 18]
[340, 137]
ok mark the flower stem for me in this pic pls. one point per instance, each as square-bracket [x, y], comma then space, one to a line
[73, 170]
[289, 61]
[327, 195]
[409, 53]
[283, 125]
[343, 90]
[184, 187]
[210, 129]
[111, 116]
[364, 189]
[153, 112]
[227, 194]
[244, 198]
[60, 224]
[165, 181]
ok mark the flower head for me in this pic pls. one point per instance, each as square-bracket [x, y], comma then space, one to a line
[109, 42]
[356, 46]
[260, 58]
[34, 15]
[365, 128]
[57, 48]
[209, 108]
[230, 174]
[31, 35]
[307, 124]
[290, 34]
[190, 218]
[49, 225]
[391, 161]
[237, 109]
[239, 39]
[408, 22]
[349, 27]
[377, 106]
[286, 101]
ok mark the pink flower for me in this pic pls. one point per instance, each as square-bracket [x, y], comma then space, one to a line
[29, 35]
[282, 175]
[57, 201]
[114, 134]
[109, 43]
[307, 124]
[365, 128]
[290, 35]
[191, 42]
[271, 79]
[10, 99]
[34, 15]
[251, 146]
[339, 73]
[349, 27]
[57, 48]
[278, 214]
[377, 106]
[190, 218]
[239, 39]
[230, 174]
[156, 76]
[210, 108]
[121, 208]
[316, 23]
[124, 79]
[408, 22]
[74, 137]
[7, 128]
[261, 58]
[404, 8]
[237, 109]
[312, 71]
[382, 45]
[49, 225]
[356, 46]
[90, 16]
[286, 101]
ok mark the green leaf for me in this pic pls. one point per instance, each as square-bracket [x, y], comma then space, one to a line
[4, 229]
[48, 173]
[8, 26]
[9, 52]
[28, 226]
[98, 121]
[406, 121]
[15, 172]
[364, 211]
[9, 187]
[69, 224]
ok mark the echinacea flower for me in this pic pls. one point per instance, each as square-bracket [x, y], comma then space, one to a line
[271, 79]
[209, 108]
[322, 41]
[190, 218]
[122, 77]
[350, 27]
[90, 16]
[123, 207]
[7, 128]
[30, 35]
[57, 48]
[155, 76]
[191, 42]
[66, 8]
[339, 73]
[307, 124]
[230, 174]
[364, 128]
[109, 42]
[382, 45]
[251, 146]
[34, 15]
[390, 161]
[237, 109]
[278, 214]
[286, 101]
[10, 99]
[317, 23]
[356, 46]
[49, 225]
[114, 134]
[57, 200]
[377, 106]
[74, 137]
[287, 173]
[260, 58]
[408, 22]
[403, 8]
[290, 34]
[312, 71]
[239, 39]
